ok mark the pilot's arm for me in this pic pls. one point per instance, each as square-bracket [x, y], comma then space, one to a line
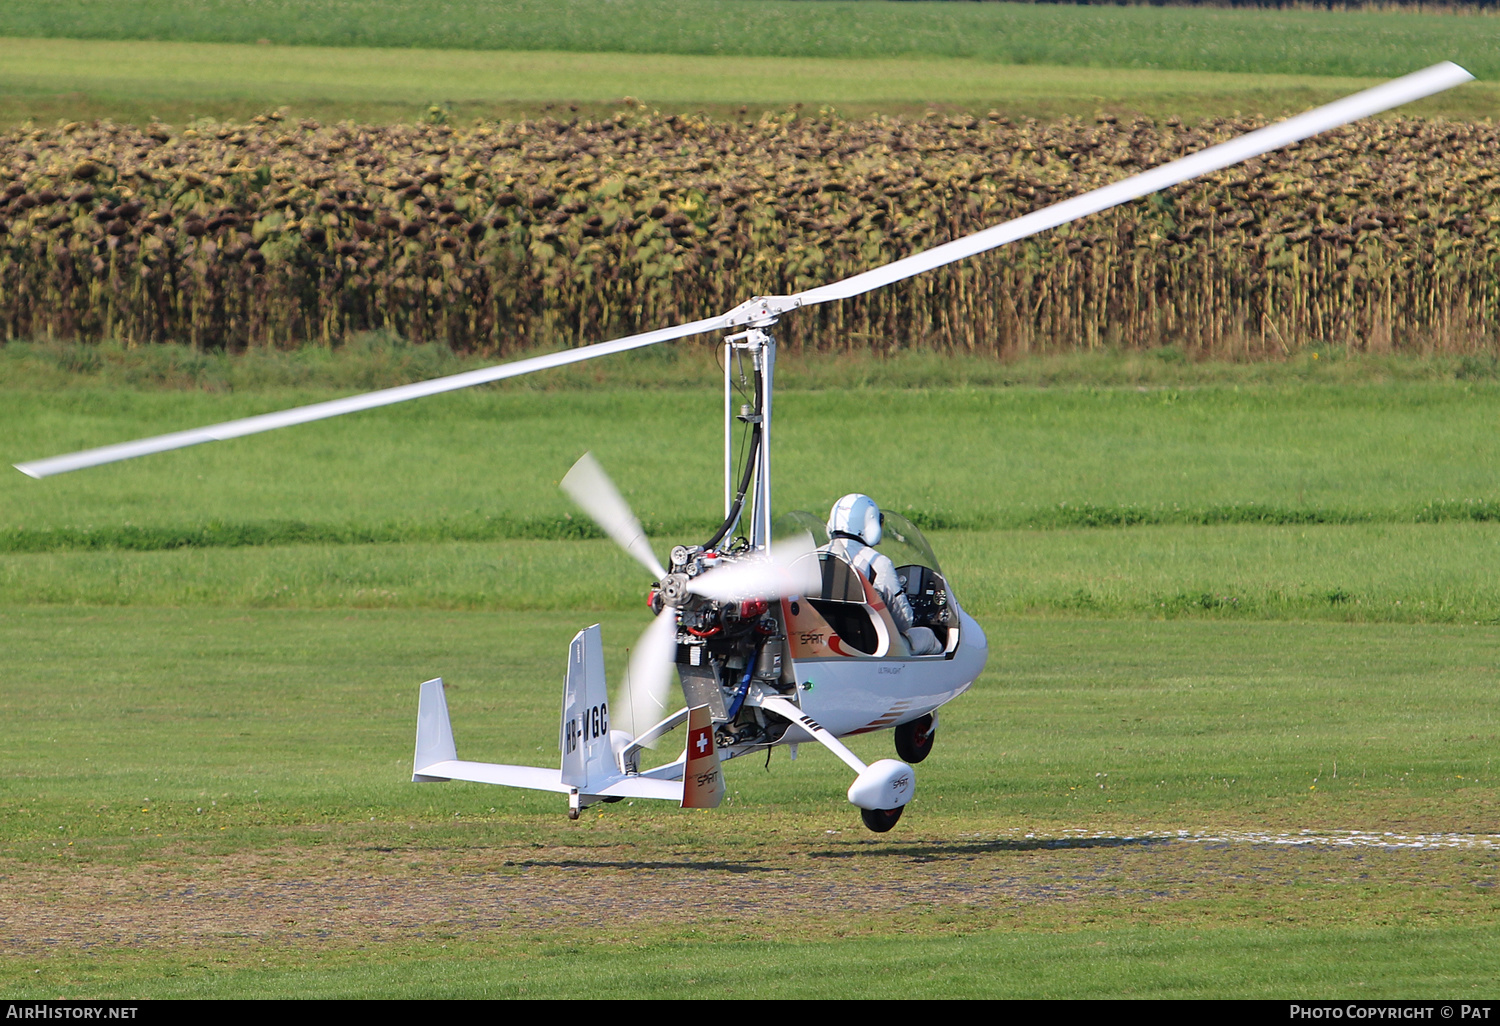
[883, 577]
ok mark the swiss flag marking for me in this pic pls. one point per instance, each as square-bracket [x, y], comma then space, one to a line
[700, 743]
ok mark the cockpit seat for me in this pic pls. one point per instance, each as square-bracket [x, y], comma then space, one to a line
[841, 602]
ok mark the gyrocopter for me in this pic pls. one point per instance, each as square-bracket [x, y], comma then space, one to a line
[775, 635]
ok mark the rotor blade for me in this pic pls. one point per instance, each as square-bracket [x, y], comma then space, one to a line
[766, 308]
[1372, 101]
[592, 489]
[355, 403]
[785, 570]
[650, 674]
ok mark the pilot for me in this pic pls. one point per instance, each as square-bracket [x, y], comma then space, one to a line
[854, 529]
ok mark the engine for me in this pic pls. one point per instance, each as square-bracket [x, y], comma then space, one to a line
[725, 647]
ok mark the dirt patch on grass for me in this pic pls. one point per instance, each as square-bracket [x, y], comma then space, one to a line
[347, 894]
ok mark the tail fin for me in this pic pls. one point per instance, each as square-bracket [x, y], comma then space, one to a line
[434, 731]
[588, 756]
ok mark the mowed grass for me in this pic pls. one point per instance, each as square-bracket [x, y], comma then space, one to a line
[214, 804]
[1410, 573]
[958, 456]
[1303, 497]
[205, 759]
[1378, 44]
[1113, 962]
[47, 79]
[384, 60]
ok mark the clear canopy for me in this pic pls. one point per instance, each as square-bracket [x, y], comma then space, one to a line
[905, 544]
[799, 521]
[901, 540]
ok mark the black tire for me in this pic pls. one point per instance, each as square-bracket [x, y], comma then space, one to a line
[914, 740]
[881, 820]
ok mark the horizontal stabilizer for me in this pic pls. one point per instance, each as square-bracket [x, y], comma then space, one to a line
[538, 778]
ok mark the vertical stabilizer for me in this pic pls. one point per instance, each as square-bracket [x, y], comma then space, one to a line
[434, 732]
[588, 761]
[702, 780]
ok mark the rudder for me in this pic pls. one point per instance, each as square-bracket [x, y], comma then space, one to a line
[587, 754]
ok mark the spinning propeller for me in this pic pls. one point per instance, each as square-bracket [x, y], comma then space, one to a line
[781, 571]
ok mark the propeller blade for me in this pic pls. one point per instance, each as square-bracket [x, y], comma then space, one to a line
[649, 677]
[790, 567]
[356, 403]
[597, 495]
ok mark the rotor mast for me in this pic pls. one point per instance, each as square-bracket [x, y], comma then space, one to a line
[758, 344]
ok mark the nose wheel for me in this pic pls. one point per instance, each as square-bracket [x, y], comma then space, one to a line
[914, 740]
[881, 820]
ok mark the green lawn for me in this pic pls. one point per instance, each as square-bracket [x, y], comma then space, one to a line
[962, 456]
[393, 60]
[203, 769]
[48, 79]
[214, 803]
[1115, 961]
[1422, 573]
[1292, 42]
[1298, 493]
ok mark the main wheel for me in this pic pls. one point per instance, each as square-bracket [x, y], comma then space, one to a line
[914, 739]
[881, 820]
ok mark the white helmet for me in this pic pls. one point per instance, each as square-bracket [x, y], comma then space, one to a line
[856, 516]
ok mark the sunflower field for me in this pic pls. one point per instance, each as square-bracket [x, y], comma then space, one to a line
[498, 237]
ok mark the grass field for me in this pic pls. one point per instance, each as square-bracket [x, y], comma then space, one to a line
[202, 803]
[177, 82]
[379, 61]
[1415, 573]
[1306, 493]
[1301, 448]
[1158, 775]
[1358, 44]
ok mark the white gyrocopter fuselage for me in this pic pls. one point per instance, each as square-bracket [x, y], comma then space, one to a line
[855, 670]
[771, 641]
